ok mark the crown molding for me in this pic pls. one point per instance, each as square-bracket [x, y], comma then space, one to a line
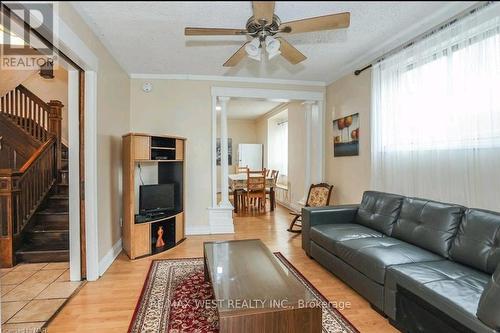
[191, 77]
[429, 22]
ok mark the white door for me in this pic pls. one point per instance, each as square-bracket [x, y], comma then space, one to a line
[250, 155]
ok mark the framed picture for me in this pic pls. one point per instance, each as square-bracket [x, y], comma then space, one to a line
[346, 136]
[229, 151]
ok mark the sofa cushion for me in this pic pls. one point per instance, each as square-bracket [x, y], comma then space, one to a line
[428, 224]
[379, 211]
[372, 256]
[327, 235]
[477, 243]
[489, 304]
[451, 287]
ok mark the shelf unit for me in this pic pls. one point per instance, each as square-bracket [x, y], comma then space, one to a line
[167, 154]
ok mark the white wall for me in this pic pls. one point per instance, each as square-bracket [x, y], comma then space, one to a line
[349, 175]
[183, 107]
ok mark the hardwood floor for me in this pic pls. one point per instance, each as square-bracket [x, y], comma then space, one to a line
[107, 305]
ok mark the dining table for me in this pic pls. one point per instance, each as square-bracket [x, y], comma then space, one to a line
[238, 183]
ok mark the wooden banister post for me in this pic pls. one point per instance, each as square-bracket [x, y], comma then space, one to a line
[55, 127]
[8, 214]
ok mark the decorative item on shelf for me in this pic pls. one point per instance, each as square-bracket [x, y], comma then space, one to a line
[159, 241]
[348, 144]
[229, 151]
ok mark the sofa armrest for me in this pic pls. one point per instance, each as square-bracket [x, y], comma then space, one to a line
[488, 310]
[324, 215]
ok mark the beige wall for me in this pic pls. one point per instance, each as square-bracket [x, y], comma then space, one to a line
[182, 107]
[113, 116]
[52, 89]
[349, 175]
[296, 148]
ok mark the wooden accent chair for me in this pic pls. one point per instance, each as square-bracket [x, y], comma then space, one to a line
[318, 196]
[256, 189]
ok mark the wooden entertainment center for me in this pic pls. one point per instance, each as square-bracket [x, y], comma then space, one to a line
[142, 233]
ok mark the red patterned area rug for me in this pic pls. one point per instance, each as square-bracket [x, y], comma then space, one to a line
[175, 298]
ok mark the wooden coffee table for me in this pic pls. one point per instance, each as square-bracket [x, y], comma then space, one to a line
[254, 292]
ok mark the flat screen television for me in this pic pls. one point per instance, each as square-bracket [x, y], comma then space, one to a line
[156, 198]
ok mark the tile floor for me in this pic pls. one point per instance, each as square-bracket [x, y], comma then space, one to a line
[31, 294]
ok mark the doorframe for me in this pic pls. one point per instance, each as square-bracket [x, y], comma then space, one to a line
[219, 217]
[75, 51]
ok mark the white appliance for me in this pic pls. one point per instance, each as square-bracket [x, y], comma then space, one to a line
[250, 155]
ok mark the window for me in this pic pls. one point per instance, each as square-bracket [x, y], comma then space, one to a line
[277, 157]
[435, 118]
[443, 94]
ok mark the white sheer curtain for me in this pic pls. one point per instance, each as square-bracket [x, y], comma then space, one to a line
[436, 115]
[278, 147]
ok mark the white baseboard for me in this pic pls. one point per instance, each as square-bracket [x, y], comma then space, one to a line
[297, 207]
[108, 259]
[197, 230]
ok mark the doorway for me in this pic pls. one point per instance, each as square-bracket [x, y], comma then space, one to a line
[221, 212]
[47, 103]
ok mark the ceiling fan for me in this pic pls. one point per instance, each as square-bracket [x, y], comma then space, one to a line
[264, 25]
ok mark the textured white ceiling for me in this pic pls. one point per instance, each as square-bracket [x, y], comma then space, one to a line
[247, 108]
[148, 37]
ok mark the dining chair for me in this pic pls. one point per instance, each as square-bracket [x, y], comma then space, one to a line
[241, 169]
[256, 189]
[274, 176]
[240, 193]
[318, 196]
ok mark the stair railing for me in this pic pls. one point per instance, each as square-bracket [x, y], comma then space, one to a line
[21, 192]
[28, 111]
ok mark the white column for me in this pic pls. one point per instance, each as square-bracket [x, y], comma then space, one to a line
[308, 121]
[224, 154]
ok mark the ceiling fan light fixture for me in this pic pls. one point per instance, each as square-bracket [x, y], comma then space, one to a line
[272, 47]
[253, 49]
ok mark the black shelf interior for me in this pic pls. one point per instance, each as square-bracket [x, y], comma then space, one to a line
[172, 173]
[168, 236]
[160, 142]
[162, 154]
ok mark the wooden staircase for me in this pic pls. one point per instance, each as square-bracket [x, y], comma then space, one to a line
[34, 222]
[46, 238]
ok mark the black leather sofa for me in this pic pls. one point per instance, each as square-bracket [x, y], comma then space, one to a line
[428, 266]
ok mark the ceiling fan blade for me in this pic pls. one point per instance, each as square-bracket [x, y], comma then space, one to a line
[263, 11]
[290, 53]
[327, 22]
[236, 57]
[212, 31]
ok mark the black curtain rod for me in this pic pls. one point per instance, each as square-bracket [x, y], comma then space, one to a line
[454, 19]
[359, 71]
